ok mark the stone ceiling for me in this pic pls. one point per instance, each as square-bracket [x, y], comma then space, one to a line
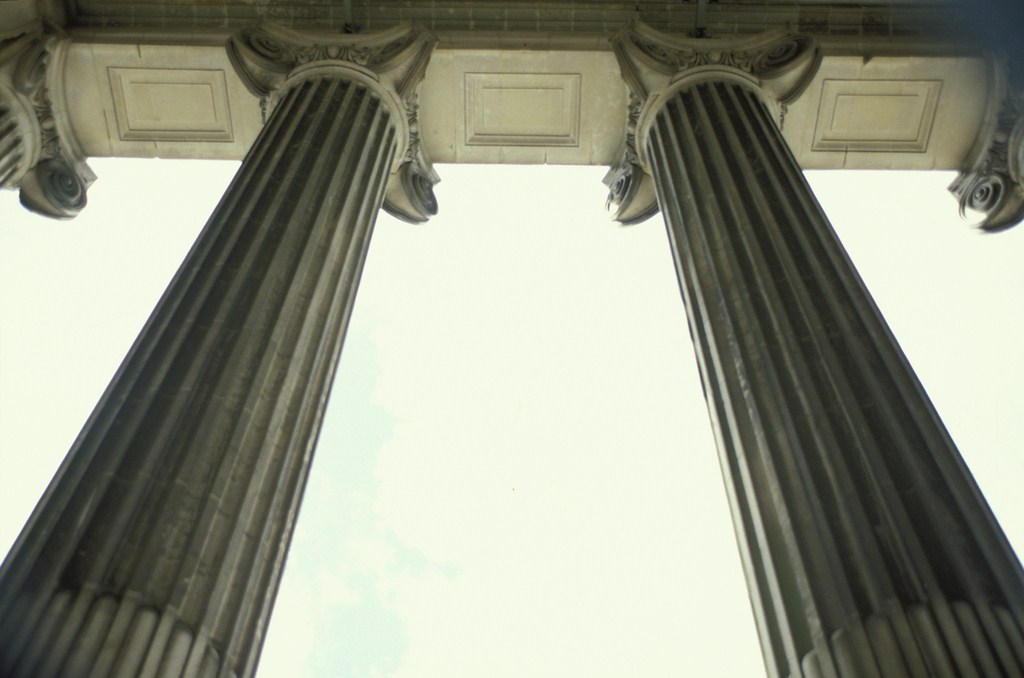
[868, 18]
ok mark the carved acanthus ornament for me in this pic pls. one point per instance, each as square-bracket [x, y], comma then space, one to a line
[656, 65]
[631, 195]
[993, 182]
[270, 58]
[36, 155]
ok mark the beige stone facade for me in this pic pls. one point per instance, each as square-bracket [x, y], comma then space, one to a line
[868, 549]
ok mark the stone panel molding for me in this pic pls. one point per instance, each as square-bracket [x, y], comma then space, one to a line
[777, 64]
[272, 59]
[38, 154]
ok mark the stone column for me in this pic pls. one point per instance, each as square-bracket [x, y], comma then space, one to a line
[158, 547]
[868, 548]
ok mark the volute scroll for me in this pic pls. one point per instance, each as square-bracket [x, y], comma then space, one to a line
[777, 64]
[271, 58]
[38, 154]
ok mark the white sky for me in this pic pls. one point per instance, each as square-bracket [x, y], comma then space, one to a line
[516, 476]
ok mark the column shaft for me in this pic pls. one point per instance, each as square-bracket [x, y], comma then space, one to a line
[158, 547]
[11, 148]
[867, 546]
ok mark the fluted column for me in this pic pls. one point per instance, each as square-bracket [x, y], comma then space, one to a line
[12, 148]
[868, 548]
[158, 548]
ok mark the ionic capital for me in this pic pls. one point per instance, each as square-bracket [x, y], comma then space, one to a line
[37, 151]
[271, 59]
[993, 179]
[776, 64]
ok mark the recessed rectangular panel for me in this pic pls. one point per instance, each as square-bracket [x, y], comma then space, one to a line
[522, 109]
[876, 115]
[155, 104]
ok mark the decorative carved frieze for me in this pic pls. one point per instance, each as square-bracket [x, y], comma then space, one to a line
[654, 65]
[36, 156]
[993, 182]
[270, 59]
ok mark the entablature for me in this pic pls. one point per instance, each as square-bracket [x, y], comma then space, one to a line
[526, 106]
[902, 84]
